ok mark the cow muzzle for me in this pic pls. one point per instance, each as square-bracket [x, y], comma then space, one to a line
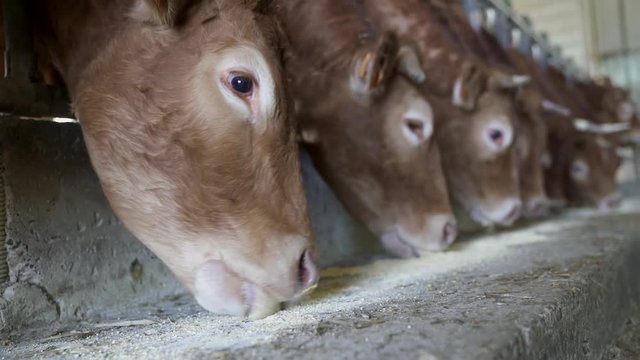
[219, 289]
[505, 213]
[438, 233]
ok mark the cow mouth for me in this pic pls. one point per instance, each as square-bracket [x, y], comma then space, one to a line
[222, 291]
[395, 244]
[479, 217]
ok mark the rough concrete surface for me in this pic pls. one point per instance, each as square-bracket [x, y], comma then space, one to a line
[558, 289]
[68, 255]
[82, 286]
[627, 345]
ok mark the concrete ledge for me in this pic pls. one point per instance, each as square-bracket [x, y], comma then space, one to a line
[559, 289]
[81, 285]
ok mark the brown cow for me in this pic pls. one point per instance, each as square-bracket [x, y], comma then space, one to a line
[185, 117]
[530, 142]
[365, 124]
[583, 162]
[592, 161]
[474, 113]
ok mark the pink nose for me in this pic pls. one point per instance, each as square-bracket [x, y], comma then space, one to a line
[538, 208]
[308, 273]
[611, 202]
[449, 234]
[513, 214]
[557, 204]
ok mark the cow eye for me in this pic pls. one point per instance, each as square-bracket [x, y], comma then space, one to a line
[242, 84]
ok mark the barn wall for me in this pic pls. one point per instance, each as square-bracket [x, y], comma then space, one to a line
[601, 36]
[565, 21]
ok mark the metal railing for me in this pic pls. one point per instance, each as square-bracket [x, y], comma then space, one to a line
[514, 30]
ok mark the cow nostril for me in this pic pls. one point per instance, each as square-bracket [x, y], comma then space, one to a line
[307, 272]
[538, 208]
[449, 233]
[514, 214]
[614, 202]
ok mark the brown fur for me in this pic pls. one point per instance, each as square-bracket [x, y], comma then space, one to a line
[189, 176]
[350, 95]
[473, 183]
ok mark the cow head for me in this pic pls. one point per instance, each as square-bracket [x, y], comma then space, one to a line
[614, 100]
[594, 163]
[369, 132]
[592, 172]
[479, 158]
[187, 126]
[532, 149]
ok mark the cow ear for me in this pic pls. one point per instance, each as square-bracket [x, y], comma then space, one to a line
[373, 66]
[468, 86]
[157, 12]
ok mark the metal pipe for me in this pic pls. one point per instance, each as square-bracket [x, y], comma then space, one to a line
[18, 54]
[547, 53]
[624, 40]
[502, 29]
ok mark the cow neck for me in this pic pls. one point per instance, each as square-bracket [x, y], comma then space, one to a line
[84, 34]
[328, 49]
[440, 54]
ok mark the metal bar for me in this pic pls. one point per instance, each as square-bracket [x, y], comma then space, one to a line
[526, 41]
[624, 37]
[549, 54]
[473, 13]
[19, 57]
[636, 161]
[502, 29]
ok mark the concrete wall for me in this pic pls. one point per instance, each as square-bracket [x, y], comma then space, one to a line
[68, 255]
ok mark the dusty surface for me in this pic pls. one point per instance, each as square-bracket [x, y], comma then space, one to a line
[546, 290]
[627, 345]
[68, 254]
[82, 286]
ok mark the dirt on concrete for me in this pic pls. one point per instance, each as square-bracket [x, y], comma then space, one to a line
[627, 345]
[547, 290]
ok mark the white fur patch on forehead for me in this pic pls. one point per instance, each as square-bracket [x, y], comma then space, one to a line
[248, 60]
[457, 98]
[434, 53]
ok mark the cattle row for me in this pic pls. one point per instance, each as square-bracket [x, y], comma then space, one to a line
[418, 119]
